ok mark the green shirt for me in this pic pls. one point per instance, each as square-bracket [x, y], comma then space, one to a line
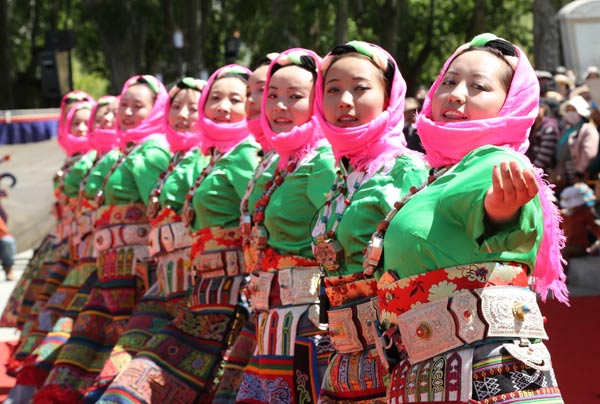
[369, 205]
[217, 199]
[178, 183]
[293, 206]
[99, 172]
[135, 178]
[444, 224]
[77, 173]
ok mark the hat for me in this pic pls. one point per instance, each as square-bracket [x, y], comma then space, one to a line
[579, 90]
[562, 79]
[580, 104]
[410, 104]
[554, 96]
[578, 194]
[542, 74]
[591, 70]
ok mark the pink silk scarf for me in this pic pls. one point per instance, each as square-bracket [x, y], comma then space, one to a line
[369, 145]
[153, 126]
[180, 141]
[72, 144]
[255, 127]
[447, 143]
[221, 136]
[103, 140]
[75, 95]
[298, 142]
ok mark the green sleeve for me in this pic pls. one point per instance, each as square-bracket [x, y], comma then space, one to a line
[369, 205]
[321, 177]
[294, 205]
[217, 200]
[77, 173]
[99, 172]
[444, 225]
[133, 180]
[181, 179]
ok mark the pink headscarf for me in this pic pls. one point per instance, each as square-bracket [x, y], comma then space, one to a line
[255, 127]
[153, 126]
[72, 144]
[369, 145]
[103, 140]
[222, 136]
[448, 142]
[68, 98]
[182, 141]
[296, 143]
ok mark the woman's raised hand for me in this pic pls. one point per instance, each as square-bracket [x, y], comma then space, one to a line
[512, 187]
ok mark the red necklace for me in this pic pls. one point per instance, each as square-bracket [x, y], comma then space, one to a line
[259, 235]
[245, 217]
[154, 198]
[187, 211]
[374, 249]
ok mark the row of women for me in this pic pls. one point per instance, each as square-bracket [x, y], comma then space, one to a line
[268, 238]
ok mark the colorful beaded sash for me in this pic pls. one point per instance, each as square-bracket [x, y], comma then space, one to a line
[217, 251]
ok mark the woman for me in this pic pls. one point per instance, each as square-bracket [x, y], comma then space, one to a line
[183, 358]
[236, 359]
[120, 237]
[25, 292]
[56, 320]
[454, 295]
[360, 104]
[292, 349]
[75, 141]
[578, 146]
[170, 241]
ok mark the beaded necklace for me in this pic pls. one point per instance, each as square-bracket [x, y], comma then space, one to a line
[187, 211]
[61, 175]
[326, 249]
[84, 203]
[374, 249]
[99, 199]
[258, 235]
[245, 217]
[154, 198]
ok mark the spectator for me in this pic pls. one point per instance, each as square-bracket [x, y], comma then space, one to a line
[543, 138]
[8, 248]
[579, 221]
[411, 107]
[592, 72]
[563, 84]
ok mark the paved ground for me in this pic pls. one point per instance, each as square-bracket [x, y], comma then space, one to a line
[29, 203]
[21, 259]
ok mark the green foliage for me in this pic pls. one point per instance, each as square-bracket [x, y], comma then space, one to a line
[420, 34]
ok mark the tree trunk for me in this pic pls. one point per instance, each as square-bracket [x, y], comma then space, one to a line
[546, 40]
[118, 40]
[341, 21]
[193, 56]
[389, 26]
[6, 101]
[477, 25]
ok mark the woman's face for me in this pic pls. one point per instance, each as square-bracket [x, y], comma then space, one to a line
[105, 115]
[289, 98]
[353, 92]
[135, 106]
[183, 113]
[79, 124]
[256, 85]
[471, 89]
[226, 101]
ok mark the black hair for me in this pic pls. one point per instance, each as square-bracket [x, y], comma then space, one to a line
[499, 48]
[306, 62]
[388, 75]
[242, 76]
[262, 61]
